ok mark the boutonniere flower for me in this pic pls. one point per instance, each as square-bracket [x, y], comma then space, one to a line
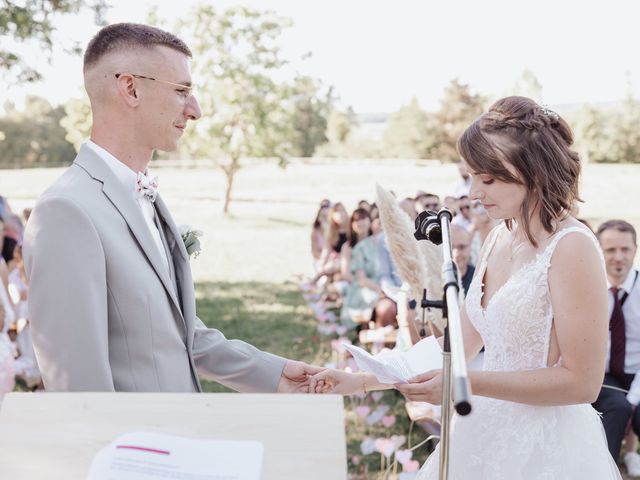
[191, 240]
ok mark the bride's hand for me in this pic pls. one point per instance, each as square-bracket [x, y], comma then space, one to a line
[426, 387]
[336, 381]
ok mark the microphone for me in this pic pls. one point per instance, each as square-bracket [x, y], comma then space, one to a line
[428, 227]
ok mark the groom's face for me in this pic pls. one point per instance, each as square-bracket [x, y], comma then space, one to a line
[166, 107]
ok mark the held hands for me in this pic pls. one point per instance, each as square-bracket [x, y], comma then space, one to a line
[296, 377]
[337, 381]
[426, 387]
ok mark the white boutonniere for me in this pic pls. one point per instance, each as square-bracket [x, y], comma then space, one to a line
[191, 240]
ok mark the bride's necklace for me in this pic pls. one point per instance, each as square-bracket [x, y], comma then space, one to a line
[515, 247]
[513, 250]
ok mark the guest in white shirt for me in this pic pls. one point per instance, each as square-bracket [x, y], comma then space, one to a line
[463, 217]
[619, 408]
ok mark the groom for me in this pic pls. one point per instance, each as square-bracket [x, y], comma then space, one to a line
[111, 295]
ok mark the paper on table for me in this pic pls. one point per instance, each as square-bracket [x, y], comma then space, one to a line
[393, 366]
[146, 455]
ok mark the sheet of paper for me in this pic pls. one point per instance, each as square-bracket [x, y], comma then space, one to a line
[393, 366]
[146, 456]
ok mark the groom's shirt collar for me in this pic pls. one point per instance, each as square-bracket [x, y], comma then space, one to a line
[127, 177]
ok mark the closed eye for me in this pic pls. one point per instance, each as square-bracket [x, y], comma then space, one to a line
[183, 92]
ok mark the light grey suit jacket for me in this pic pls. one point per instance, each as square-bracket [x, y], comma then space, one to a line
[106, 314]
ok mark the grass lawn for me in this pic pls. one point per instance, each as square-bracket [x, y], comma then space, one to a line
[271, 316]
[246, 276]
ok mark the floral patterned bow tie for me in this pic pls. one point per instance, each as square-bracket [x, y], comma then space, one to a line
[147, 186]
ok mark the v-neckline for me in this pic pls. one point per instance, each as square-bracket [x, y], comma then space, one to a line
[485, 264]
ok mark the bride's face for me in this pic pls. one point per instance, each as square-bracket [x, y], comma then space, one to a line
[502, 200]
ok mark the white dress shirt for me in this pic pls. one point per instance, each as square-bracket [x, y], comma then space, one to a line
[129, 180]
[631, 311]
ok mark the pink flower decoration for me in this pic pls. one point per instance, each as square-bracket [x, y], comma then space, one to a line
[403, 456]
[389, 420]
[362, 411]
[411, 466]
[385, 446]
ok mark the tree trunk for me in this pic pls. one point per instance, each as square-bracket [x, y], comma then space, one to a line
[230, 172]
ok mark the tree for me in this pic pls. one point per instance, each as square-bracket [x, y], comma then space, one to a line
[33, 21]
[247, 113]
[311, 109]
[339, 125]
[594, 132]
[459, 107]
[77, 120]
[410, 132]
[33, 136]
[626, 136]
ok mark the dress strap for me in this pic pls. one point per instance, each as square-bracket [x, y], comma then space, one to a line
[548, 252]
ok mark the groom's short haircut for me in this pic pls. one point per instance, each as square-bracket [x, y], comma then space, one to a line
[124, 36]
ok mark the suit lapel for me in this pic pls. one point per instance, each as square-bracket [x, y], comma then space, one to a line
[173, 239]
[184, 280]
[130, 211]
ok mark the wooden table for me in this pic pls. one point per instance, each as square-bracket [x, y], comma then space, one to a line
[56, 435]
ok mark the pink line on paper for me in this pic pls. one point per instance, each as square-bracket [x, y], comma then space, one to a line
[144, 449]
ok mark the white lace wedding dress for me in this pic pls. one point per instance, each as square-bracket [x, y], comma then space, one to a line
[503, 440]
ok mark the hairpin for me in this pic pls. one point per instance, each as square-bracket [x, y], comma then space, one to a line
[548, 112]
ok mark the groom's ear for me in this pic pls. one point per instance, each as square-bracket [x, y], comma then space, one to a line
[127, 89]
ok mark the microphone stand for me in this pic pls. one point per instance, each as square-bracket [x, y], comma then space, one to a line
[435, 228]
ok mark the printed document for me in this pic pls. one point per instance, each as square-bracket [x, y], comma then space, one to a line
[147, 455]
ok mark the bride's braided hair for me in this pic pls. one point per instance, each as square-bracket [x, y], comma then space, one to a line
[537, 142]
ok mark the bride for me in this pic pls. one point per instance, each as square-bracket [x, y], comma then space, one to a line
[537, 303]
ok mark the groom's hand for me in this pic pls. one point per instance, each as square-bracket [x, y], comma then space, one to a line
[296, 377]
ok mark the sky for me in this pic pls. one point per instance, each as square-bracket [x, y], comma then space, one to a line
[378, 54]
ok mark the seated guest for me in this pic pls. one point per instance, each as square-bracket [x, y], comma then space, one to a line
[7, 380]
[463, 216]
[365, 205]
[318, 234]
[427, 201]
[461, 249]
[26, 366]
[364, 292]
[618, 241]
[9, 313]
[451, 203]
[337, 234]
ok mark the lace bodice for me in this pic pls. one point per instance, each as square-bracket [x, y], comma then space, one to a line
[516, 324]
[510, 440]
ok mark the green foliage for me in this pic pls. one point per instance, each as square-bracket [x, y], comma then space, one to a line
[272, 317]
[246, 112]
[33, 136]
[609, 135]
[33, 21]
[343, 139]
[459, 107]
[339, 125]
[77, 120]
[410, 133]
[309, 116]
